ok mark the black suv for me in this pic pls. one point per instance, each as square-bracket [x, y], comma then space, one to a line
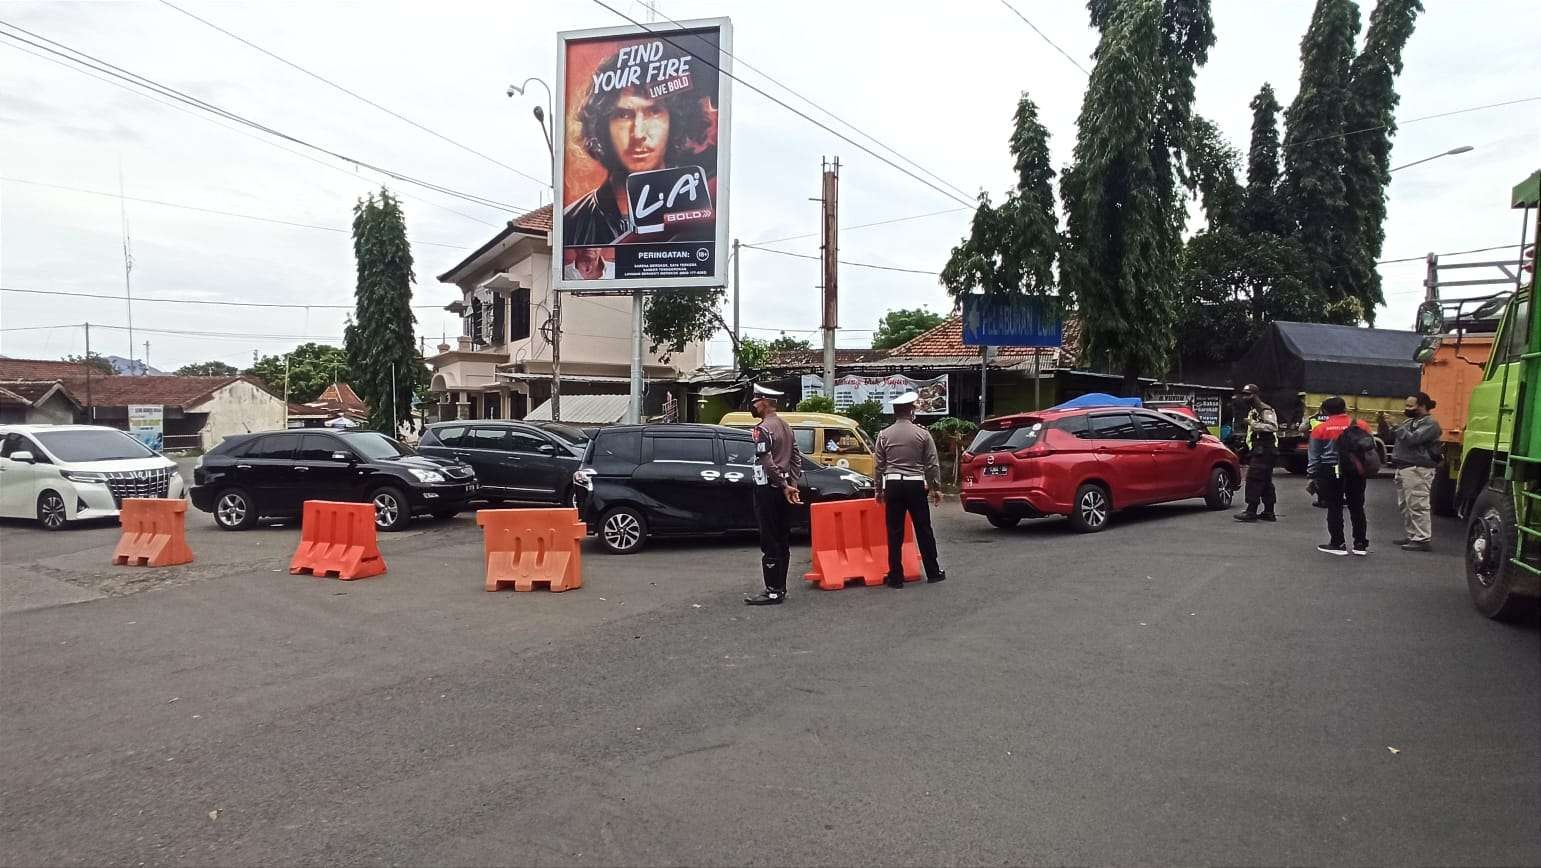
[641, 480]
[271, 475]
[513, 460]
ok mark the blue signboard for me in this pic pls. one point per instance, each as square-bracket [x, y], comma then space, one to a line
[1012, 321]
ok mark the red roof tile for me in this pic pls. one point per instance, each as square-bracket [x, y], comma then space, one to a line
[946, 340]
[815, 357]
[40, 369]
[340, 396]
[170, 391]
[33, 391]
[538, 220]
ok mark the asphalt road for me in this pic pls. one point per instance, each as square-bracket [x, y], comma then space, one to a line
[1178, 689]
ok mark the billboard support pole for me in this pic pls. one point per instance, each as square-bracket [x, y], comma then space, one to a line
[1037, 380]
[634, 409]
[738, 290]
[984, 379]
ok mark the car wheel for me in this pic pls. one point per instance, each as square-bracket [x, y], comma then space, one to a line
[1221, 489]
[51, 512]
[1092, 509]
[233, 510]
[1491, 541]
[1004, 521]
[623, 530]
[391, 510]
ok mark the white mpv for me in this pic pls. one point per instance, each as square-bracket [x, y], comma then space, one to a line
[60, 473]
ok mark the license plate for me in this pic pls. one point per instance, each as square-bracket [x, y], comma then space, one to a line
[995, 470]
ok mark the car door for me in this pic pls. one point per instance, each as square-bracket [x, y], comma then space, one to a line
[485, 448]
[1176, 460]
[18, 479]
[319, 475]
[536, 467]
[1124, 458]
[682, 480]
[738, 481]
[266, 470]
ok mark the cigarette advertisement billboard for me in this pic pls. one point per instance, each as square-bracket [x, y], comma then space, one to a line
[642, 157]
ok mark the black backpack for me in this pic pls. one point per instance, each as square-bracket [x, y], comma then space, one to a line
[1357, 451]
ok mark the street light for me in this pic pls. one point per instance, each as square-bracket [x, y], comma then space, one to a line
[556, 296]
[540, 113]
[1450, 153]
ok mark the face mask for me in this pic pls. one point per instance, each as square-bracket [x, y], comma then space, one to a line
[754, 410]
[1411, 414]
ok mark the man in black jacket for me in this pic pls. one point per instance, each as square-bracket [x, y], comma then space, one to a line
[1416, 455]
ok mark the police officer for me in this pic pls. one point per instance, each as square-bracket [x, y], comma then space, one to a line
[778, 467]
[1262, 452]
[907, 469]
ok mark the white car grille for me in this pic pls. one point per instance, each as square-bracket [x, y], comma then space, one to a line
[139, 483]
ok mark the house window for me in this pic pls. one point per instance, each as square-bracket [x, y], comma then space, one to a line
[519, 314]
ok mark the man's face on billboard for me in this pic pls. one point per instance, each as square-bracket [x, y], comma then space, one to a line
[590, 265]
[639, 132]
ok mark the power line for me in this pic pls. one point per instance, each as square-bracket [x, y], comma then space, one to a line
[862, 225]
[842, 261]
[205, 210]
[1451, 253]
[820, 124]
[1402, 123]
[436, 134]
[91, 62]
[1041, 35]
[211, 302]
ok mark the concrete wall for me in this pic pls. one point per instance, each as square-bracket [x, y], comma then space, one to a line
[239, 408]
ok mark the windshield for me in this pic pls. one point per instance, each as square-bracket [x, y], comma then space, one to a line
[72, 446]
[375, 446]
[1022, 434]
[567, 433]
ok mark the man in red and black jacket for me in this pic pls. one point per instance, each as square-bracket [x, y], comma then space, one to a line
[1338, 483]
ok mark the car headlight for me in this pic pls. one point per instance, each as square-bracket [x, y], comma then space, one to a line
[82, 476]
[857, 480]
[429, 476]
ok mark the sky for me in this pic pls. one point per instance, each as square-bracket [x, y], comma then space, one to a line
[937, 83]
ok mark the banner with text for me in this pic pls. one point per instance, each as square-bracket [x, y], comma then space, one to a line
[851, 389]
[147, 424]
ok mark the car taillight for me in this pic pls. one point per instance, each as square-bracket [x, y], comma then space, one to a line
[584, 478]
[1027, 452]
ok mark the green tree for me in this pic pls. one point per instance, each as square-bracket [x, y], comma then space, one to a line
[868, 415]
[753, 354]
[674, 319]
[1011, 249]
[312, 367]
[1124, 213]
[207, 369]
[386, 366]
[95, 361]
[1233, 284]
[1313, 145]
[1369, 121]
[1212, 164]
[1263, 212]
[899, 326]
[788, 344]
[816, 404]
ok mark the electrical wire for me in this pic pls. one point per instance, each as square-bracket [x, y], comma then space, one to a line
[107, 68]
[816, 122]
[361, 98]
[861, 226]
[205, 210]
[1040, 33]
[210, 302]
[1401, 123]
[1451, 253]
[841, 261]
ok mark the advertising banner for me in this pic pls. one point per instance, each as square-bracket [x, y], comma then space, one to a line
[147, 424]
[1016, 321]
[851, 389]
[642, 157]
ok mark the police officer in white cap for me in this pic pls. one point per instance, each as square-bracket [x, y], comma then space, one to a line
[778, 468]
[907, 470]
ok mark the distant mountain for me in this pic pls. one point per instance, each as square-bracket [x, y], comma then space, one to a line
[135, 367]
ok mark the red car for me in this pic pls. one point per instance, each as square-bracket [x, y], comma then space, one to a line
[1086, 462]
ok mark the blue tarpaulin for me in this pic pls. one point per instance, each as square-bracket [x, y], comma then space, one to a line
[1098, 399]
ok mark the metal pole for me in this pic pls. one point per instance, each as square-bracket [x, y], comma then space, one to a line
[634, 411]
[128, 265]
[737, 291]
[90, 404]
[147, 358]
[395, 429]
[984, 379]
[1037, 381]
[556, 355]
[831, 253]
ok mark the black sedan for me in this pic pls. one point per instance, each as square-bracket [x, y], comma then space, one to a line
[515, 461]
[271, 475]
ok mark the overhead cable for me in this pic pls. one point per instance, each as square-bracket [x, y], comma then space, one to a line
[1040, 33]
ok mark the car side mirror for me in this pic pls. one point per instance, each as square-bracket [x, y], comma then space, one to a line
[23, 457]
[343, 456]
[1194, 436]
[547, 449]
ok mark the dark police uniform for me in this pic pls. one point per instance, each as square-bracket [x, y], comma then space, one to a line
[906, 462]
[1262, 454]
[778, 466]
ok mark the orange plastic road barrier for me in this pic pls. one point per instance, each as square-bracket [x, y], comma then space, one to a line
[154, 533]
[850, 543]
[526, 547]
[338, 538]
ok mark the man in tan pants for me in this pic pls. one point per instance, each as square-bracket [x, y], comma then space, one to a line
[1415, 455]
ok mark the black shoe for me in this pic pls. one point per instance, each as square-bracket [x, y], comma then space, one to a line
[1248, 516]
[766, 597]
[1402, 542]
[897, 584]
[1360, 549]
[941, 576]
[1333, 549]
[1268, 516]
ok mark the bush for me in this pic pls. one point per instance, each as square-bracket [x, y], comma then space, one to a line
[816, 404]
[869, 415]
[951, 429]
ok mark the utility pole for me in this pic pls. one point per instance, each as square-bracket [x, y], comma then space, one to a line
[634, 410]
[738, 290]
[831, 251]
[984, 379]
[128, 265]
[147, 358]
[90, 404]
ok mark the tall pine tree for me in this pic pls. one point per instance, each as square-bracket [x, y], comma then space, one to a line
[1263, 212]
[1124, 211]
[380, 344]
[1369, 122]
[1313, 146]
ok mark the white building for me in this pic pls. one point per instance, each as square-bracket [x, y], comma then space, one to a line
[500, 365]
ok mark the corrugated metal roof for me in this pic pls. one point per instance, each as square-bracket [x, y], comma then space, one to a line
[585, 409]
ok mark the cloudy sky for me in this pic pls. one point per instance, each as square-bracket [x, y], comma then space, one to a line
[937, 83]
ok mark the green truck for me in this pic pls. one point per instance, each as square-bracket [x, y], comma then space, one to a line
[1501, 446]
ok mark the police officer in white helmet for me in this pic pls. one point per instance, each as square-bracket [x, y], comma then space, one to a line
[908, 469]
[778, 466]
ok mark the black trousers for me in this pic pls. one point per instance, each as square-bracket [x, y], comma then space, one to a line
[1339, 489]
[1260, 479]
[903, 497]
[773, 513]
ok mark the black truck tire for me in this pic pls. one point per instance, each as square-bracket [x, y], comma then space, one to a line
[1491, 540]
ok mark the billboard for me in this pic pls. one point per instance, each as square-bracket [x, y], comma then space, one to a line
[852, 389]
[642, 157]
[147, 424]
[1011, 321]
